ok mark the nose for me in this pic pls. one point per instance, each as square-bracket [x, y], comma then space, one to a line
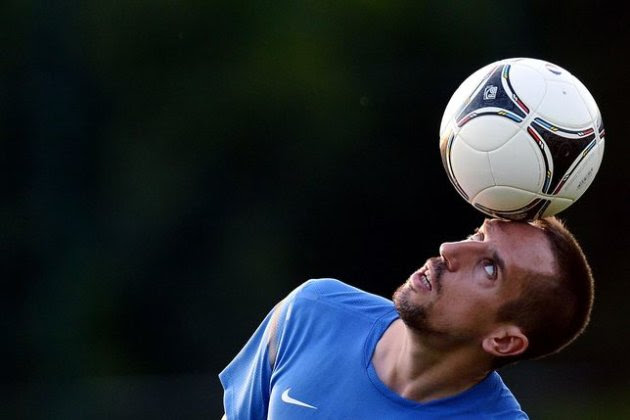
[454, 253]
[447, 254]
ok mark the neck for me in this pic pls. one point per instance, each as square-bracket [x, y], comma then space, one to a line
[421, 369]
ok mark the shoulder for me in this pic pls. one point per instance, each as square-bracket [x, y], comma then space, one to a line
[336, 292]
[489, 399]
[333, 294]
[504, 404]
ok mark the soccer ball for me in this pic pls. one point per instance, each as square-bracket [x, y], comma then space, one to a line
[521, 139]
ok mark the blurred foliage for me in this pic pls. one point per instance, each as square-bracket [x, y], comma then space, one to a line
[173, 168]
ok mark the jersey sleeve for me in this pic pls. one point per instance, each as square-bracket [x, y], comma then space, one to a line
[246, 380]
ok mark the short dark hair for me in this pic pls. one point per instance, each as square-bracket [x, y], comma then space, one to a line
[552, 310]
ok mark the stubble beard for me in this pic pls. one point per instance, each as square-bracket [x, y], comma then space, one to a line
[416, 316]
[413, 315]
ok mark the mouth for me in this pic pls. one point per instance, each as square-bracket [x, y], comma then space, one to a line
[421, 280]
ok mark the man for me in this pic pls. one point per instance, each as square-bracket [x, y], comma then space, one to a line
[510, 291]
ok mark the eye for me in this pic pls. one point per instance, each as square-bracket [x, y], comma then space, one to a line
[490, 268]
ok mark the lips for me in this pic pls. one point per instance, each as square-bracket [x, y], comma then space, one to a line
[421, 280]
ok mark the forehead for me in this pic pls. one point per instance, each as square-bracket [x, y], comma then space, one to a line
[521, 245]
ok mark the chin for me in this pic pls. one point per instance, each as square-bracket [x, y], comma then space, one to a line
[412, 314]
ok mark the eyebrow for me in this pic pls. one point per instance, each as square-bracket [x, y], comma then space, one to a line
[474, 233]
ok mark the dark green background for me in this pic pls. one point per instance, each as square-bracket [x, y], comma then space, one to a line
[173, 168]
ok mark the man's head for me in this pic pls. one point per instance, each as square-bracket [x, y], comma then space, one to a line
[518, 290]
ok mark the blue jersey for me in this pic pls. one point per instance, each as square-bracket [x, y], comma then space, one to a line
[326, 335]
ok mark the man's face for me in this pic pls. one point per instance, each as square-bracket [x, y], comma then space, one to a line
[457, 295]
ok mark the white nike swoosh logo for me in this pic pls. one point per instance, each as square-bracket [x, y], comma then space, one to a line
[285, 397]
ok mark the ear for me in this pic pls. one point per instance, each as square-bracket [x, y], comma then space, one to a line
[506, 340]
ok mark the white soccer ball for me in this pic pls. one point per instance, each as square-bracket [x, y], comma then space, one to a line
[521, 139]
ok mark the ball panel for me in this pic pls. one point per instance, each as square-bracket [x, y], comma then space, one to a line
[562, 105]
[462, 94]
[546, 69]
[503, 199]
[566, 149]
[530, 212]
[476, 134]
[495, 96]
[470, 167]
[519, 163]
[582, 175]
[555, 206]
[588, 99]
[529, 85]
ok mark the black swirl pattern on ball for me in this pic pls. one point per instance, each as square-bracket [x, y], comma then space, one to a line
[492, 97]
